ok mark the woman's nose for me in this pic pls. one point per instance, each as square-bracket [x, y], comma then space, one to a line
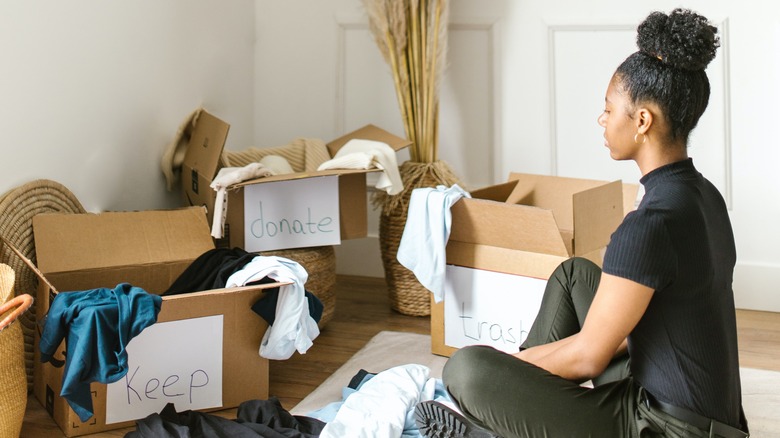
[602, 120]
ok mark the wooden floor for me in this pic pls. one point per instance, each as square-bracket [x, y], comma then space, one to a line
[362, 311]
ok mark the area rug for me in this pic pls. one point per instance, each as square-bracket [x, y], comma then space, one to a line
[760, 388]
[385, 350]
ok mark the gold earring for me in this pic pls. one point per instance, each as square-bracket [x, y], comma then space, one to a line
[644, 138]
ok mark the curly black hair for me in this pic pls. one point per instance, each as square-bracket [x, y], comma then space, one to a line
[668, 69]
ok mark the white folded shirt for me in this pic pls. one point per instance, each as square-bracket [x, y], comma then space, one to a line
[226, 177]
[369, 154]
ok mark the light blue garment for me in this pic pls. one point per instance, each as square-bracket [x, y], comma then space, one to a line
[410, 430]
[423, 244]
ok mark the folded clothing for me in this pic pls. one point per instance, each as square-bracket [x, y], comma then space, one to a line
[226, 177]
[278, 165]
[369, 154]
[303, 154]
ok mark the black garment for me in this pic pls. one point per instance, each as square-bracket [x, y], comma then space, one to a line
[679, 242]
[357, 379]
[210, 270]
[255, 418]
[266, 305]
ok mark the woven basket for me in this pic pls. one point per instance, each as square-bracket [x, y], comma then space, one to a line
[13, 380]
[407, 295]
[320, 263]
[17, 208]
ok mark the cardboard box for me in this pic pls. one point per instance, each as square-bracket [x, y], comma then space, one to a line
[309, 208]
[150, 249]
[506, 241]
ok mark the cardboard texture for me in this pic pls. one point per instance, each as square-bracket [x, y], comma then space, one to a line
[528, 226]
[202, 163]
[148, 249]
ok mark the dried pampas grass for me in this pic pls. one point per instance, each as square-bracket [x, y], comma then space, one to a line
[412, 37]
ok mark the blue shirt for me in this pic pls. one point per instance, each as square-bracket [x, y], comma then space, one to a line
[97, 325]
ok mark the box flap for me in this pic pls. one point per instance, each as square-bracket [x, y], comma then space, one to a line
[71, 242]
[202, 159]
[550, 192]
[507, 226]
[498, 193]
[369, 132]
[597, 213]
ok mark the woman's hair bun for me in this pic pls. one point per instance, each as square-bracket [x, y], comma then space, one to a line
[682, 39]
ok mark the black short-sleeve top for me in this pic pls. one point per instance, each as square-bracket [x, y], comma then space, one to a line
[679, 242]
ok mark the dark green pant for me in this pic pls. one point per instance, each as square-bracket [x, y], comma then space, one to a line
[566, 301]
[513, 398]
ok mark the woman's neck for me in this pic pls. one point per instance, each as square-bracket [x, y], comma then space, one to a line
[655, 156]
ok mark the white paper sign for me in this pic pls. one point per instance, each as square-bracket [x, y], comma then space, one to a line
[489, 308]
[170, 362]
[292, 214]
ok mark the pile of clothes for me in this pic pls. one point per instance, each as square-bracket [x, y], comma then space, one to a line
[374, 405]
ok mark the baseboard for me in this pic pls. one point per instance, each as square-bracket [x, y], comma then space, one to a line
[757, 287]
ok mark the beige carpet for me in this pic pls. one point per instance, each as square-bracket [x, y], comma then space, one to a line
[760, 388]
[385, 350]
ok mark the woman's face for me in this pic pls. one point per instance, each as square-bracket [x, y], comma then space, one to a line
[619, 128]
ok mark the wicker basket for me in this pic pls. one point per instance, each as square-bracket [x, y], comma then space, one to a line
[13, 381]
[320, 263]
[407, 295]
[17, 208]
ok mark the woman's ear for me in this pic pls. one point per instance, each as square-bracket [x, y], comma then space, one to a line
[644, 119]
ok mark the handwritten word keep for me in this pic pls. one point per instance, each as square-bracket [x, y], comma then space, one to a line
[169, 387]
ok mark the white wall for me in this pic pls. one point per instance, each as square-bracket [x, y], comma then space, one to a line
[524, 88]
[297, 65]
[91, 91]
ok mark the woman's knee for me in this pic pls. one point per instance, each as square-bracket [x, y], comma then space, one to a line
[577, 266]
[464, 370]
[575, 272]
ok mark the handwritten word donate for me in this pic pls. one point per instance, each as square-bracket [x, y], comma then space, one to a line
[273, 227]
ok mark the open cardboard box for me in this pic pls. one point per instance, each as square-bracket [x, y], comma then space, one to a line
[525, 228]
[317, 208]
[150, 249]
